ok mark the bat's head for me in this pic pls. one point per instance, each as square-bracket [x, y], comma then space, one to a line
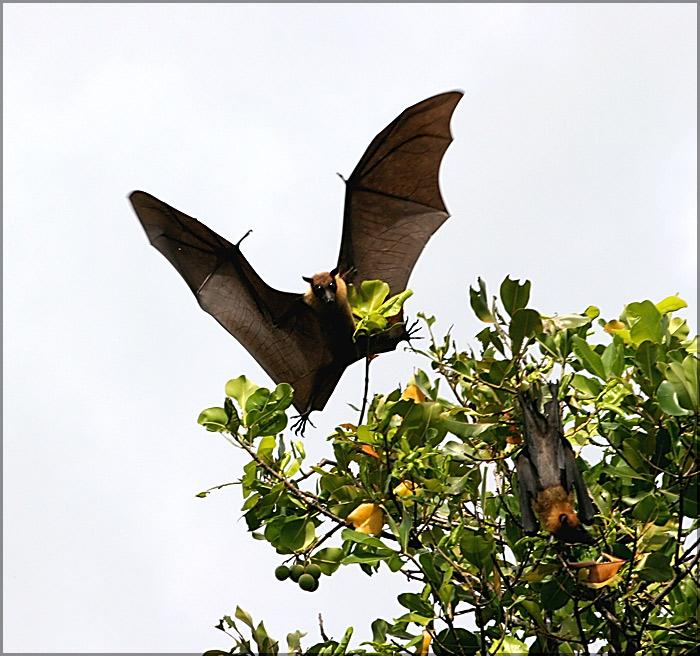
[555, 509]
[568, 528]
[325, 287]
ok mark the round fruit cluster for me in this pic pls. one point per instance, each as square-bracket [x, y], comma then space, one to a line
[306, 575]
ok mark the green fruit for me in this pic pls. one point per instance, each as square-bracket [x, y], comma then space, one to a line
[282, 573]
[295, 572]
[308, 582]
[314, 570]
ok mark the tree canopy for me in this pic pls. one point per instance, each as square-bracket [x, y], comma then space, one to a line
[425, 485]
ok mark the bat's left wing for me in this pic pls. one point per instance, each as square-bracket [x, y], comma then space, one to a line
[566, 459]
[277, 328]
[586, 510]
[393, 203]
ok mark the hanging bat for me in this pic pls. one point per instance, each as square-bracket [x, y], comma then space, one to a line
[393, 206]
[548, 475]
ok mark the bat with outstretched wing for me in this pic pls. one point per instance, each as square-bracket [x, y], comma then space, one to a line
[548, 475]
[393, 206]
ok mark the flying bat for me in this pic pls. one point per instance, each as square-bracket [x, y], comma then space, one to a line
[548, 475]
[393, 206]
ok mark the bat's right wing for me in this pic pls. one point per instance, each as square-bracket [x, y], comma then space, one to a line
[277, 328]
[393, 203]
[527, 491]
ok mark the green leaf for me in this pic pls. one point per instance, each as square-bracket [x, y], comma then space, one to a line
[690, 501]
[656, 567]
[650, 509]
[553, 595]
[362, 538]
[588, 357]
[589, 386]
[563, 322]
[266, 447]
[514, 295]
[613, 358]
[343, 645]
[459, 452]
[404, 529]
[283, 395]
[646, 358]
[368, 298]
[684, 380]
[645, 320]
[294, 642]
[509, 646]
[244, 617]
[370, 324]
[533, 609]
[414, 603]
[379, 628]
[394, 305]
[328, 559]
[463, 429]
[240, 389]
[262, 412]
[213, 419]
[671, 304]
[297, 533]
[455, 641]
[668, 400]
[477, 548]
[524, 324]
[480, 303]
[592, 311]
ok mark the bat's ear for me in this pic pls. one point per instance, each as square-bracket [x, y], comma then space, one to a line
[309, 280]
[334, 272]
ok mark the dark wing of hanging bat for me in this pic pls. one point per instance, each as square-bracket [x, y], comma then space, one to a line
[548, 475]
[392, 207]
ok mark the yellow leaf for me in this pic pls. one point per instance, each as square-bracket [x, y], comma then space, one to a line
[613, 326]
[405, 488]
[540, 571]
[414, 393]
[424, 648]
[368, 450]
[367, 518]
[599, 573]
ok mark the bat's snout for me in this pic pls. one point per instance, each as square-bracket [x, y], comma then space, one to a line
[572, 532]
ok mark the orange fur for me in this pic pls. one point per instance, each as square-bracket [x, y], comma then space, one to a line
[551, 504]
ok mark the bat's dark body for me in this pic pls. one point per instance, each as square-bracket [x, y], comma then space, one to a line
[393, 206]
[548, 473]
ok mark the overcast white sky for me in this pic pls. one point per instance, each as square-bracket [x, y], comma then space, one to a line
[573, 165]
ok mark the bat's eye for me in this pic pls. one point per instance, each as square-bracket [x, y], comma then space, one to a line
[332, 286]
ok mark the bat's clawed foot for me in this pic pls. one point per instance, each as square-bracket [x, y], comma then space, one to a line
[412, 331]
[299, 426]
